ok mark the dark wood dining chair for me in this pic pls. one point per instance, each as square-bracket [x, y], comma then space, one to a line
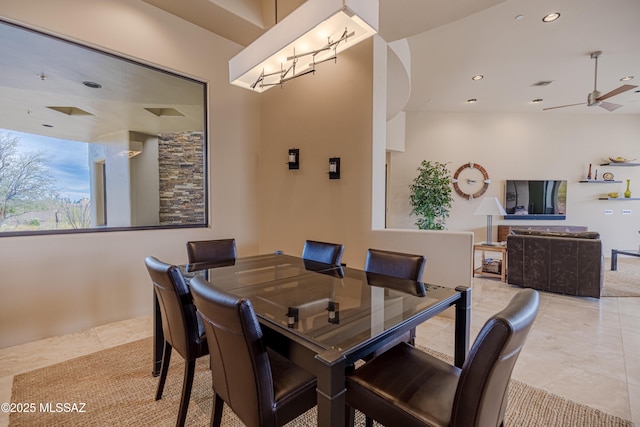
[408, 387]
[322, 252]
[205, 254]
[396, 264]
[400, 265]
[261, 387]
[182, 329]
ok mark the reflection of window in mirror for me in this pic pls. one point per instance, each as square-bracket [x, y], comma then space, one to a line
[90, 141]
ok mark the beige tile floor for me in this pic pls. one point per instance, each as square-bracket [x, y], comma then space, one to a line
[584, 349]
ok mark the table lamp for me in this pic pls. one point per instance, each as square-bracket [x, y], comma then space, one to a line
[490, 206]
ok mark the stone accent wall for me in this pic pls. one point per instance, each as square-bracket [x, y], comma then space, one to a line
[181, 165]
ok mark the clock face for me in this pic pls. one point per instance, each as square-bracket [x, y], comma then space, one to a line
[607, 176]
[471, 180]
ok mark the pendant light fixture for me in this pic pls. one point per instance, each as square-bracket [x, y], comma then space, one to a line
[313, 33]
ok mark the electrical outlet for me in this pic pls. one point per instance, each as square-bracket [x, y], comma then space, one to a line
[626, 211]
[608, 212]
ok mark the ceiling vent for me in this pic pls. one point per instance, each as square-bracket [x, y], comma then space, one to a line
[543, 83]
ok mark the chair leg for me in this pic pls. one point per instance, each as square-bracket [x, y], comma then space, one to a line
[189, 371]
[349, 416]
[216, 412]
[166, 358]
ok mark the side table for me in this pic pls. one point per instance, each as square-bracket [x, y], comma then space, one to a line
[500, 248]
[615, 252]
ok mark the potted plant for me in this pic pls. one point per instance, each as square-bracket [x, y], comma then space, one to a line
[430, 197]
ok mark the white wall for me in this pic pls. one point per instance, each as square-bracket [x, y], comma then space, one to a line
[54, 285]
[526, 146]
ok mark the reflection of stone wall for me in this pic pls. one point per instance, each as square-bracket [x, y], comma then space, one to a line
[181, 164]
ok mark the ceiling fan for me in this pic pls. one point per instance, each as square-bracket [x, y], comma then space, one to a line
[594, 98]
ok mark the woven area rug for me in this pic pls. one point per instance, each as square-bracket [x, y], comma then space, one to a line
[116, 388]
[625, 281]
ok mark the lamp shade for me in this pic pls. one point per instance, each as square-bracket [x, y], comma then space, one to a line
[311, 28]
[490, 206]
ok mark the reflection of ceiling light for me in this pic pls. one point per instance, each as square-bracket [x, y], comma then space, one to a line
[472, 101]
[551, 17]
[537, 101]
[343, 23]
[92, 85]
[626, 78]
[478, 77]
[135, 148]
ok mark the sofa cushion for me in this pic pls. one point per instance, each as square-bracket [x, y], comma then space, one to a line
[572, 234]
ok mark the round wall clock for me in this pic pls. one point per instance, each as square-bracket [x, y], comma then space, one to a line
[471, 180]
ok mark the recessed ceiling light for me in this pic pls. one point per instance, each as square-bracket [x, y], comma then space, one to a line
[626, 78]
[519, 17]
[47, 126]
[537, 101]
[472, 101]
[477, 77]
[92, 85]
[551, 17]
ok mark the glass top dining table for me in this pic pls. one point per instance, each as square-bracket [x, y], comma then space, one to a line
[325, 318]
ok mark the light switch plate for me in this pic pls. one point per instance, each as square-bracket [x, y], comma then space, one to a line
[608, 212]
[626, 211]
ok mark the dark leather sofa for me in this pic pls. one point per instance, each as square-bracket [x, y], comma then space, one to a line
[569, 263]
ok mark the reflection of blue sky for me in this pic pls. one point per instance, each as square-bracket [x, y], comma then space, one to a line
[68, 162]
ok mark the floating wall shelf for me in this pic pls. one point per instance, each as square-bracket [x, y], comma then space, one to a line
[619, 198]
[619, 164]
[600, 181]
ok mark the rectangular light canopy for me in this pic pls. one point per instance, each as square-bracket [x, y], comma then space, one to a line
[313, 33]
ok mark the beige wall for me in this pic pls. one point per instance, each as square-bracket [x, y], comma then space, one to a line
[527, 146]
[54, 285]
[334, 113]
[59, 284]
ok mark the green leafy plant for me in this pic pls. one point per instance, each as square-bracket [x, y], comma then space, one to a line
[430, 197]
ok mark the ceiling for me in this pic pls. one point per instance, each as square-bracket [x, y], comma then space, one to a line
[451, 41]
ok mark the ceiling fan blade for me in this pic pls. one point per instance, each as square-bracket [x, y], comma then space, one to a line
[609, 106]
[562, 106]
[615, 92]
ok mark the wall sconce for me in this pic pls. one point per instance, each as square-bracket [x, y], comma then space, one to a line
[294, 158]
[334, 168]
[292, 317]
[334, 312]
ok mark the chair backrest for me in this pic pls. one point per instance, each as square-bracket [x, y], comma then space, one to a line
[481, 395]
[326, 253]
[180, 323]
[396, 264]
[240, 367]
[205, 254]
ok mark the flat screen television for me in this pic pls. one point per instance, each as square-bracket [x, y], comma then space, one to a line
[535, 199]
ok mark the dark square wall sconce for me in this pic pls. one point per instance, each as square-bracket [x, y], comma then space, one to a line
[294, 158]
[334, 168]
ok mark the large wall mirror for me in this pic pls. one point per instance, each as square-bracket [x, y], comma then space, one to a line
[93, 142]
